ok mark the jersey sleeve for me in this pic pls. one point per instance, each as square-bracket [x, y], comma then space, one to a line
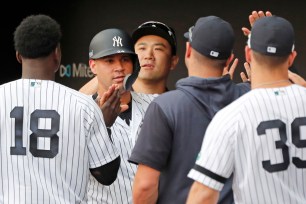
[100, 146]
[215, 160]
[153, 145]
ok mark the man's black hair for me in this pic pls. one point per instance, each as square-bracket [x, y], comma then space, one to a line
[37, 36]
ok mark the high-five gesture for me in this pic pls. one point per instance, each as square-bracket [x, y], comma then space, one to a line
[253, 17]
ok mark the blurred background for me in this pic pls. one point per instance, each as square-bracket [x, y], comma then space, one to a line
[81, 19]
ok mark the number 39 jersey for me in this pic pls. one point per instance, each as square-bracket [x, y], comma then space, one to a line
[261, 138]
[50, 135]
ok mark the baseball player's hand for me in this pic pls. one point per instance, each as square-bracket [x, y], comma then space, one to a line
[245, 77]
[253, 17]
[110, 105]
[231, 70]
[297, 79]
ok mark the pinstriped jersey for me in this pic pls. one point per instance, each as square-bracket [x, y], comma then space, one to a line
[124, 137]
[261, 137]
[50, 135]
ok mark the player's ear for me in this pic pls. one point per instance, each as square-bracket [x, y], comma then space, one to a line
[188, 50]
[92, 65]
[58, 55]
[18, 57]
[247, 52]
[292, 57]
[58, 51]
[174, 61]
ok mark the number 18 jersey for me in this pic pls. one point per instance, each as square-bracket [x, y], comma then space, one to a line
[50, 135]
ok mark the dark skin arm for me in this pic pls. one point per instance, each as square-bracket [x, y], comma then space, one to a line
[107, 173]
[110, 105]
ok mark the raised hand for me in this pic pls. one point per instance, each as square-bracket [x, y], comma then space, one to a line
[297, 79]
[254, 17]
[231, 70]
[110, 105]
[246, 76]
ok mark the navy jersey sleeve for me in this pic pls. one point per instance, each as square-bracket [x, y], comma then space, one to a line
[153, 145]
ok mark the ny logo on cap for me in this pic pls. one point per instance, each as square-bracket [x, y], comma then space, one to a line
[117, 41]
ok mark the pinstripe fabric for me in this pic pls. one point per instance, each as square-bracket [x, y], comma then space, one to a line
[62, 135]
[124, 138]
[262, 138]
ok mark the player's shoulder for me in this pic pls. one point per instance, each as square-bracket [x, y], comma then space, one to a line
[10, 83]
[18, 86]
[61, 91]
[236, 107]
[78, 96]
[169, 97]
[299, 88]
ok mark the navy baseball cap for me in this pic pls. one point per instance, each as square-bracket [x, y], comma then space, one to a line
[272, 35]
[156, 28]
[109, 42]
[212, 37]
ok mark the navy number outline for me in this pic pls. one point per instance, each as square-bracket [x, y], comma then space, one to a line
[18, 149]
[281, 144]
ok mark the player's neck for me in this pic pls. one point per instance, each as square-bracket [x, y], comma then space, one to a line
[269, 77]
[37, 74]
[204, 71]
[150, 87]
[41, 69]
[272, 84]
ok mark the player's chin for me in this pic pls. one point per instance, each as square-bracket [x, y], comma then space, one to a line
[148, 77]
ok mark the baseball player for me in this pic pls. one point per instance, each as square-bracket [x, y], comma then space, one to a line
[172, 131]
[149, 38]
[50, 135]
[293, 76]
[259, 137]
[112, 58]
[156, 59]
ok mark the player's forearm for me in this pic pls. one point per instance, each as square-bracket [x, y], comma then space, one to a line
[145, 186]
[200, 194]
[145, 196]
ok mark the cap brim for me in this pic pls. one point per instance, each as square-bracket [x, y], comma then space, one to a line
[186, 35]
[111, 52]
[140, 32]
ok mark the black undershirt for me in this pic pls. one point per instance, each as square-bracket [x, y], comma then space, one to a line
[127, 115]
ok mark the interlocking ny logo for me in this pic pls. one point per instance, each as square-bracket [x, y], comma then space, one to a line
[117, 41]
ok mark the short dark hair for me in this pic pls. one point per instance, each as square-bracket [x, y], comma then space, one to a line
[37, 36]
[272, 61]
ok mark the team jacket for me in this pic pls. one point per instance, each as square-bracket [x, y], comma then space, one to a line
[173, 130]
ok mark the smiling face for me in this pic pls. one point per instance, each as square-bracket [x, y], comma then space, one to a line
[155, 57]
[111, 69]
